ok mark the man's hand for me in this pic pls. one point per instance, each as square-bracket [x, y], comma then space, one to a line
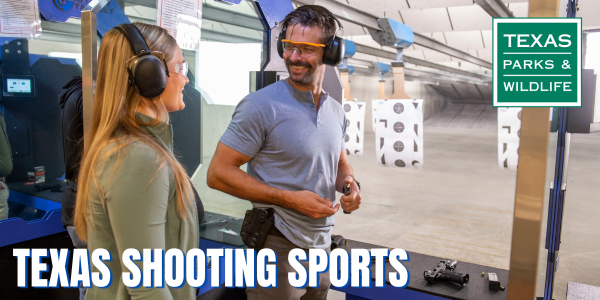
[311, 204]
[351, 202]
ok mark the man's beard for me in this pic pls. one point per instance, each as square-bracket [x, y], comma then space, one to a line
[307, 78]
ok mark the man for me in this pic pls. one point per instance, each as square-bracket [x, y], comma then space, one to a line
[291, 134]
[6, 165]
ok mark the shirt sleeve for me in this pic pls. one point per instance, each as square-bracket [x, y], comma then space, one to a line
[246, 133]
[137, 198]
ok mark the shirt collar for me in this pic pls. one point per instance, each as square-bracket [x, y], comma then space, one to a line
[162, 130]
[308, 95]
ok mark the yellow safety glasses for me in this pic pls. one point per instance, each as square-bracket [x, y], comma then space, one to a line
[303, 48]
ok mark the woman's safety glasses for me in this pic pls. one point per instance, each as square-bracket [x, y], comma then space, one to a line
[303, 48]
[181, 68]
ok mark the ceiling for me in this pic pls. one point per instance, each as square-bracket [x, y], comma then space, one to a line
[461, 24]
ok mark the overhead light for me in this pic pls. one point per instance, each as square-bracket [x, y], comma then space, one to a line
[76, 56]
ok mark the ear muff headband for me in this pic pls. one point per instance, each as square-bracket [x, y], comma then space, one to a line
[148, 74]
[334, 51]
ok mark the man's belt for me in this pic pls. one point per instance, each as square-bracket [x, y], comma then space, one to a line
[275, 232]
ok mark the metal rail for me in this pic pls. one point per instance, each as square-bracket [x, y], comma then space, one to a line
[416, 61]
[432, 44]
[495, 8]
[432, 76]
[89, 70]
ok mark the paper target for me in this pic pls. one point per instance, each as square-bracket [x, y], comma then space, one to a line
[355, 126]
[399, 133]
[509, 136]
[374, 111]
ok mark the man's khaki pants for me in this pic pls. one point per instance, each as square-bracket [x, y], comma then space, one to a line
[284, 290]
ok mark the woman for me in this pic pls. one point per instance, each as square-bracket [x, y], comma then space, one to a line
[132, 192]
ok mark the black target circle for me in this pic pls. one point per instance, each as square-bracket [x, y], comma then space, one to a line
[347, 138]
[398, 127]
[519, 115]
[347, 123]
[347, 107]
[398, 108]
[398, 146]
[519, 133]
[347, 152]
[400, 163]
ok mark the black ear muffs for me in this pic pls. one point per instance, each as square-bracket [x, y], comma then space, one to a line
[148, 73]
[280, 43]
[334, 51]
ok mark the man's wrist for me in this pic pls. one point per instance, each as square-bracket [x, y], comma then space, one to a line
[354, 179]
[282, 198]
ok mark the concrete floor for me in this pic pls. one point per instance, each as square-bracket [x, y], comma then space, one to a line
[460, 205]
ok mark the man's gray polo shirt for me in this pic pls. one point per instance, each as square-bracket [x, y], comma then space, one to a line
[293, 147]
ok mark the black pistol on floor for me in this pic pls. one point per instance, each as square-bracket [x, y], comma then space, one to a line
[445, 272]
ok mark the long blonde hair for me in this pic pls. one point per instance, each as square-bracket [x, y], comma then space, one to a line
[115, 105]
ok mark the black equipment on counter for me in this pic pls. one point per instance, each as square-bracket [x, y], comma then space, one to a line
[43, 186]
[256, 227]
[444, 271]
[494, 282]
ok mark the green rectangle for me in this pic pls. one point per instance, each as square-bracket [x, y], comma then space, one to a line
[537, 62]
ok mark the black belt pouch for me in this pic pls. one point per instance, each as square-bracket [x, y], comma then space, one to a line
[255, 229]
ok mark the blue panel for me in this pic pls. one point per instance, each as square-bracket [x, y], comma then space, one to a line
[61, 10]
[275, 10]
[388, 292]
[350, 69]
[110, 16]
[16, 230]
[229, 2]
[33, 58]
[353, 297]
[403, 33]
[207, 244]
[383, 68]
[350, 48]
[32, 201]
[4, 40]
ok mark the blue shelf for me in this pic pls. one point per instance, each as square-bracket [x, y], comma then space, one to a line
[15, 230]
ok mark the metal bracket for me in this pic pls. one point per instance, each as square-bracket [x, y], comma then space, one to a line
[393, 34]
[495, 8]
[96, 6]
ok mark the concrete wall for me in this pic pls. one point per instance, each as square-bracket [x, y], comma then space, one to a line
[366, 88]
[215, 119]
[466, 93]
